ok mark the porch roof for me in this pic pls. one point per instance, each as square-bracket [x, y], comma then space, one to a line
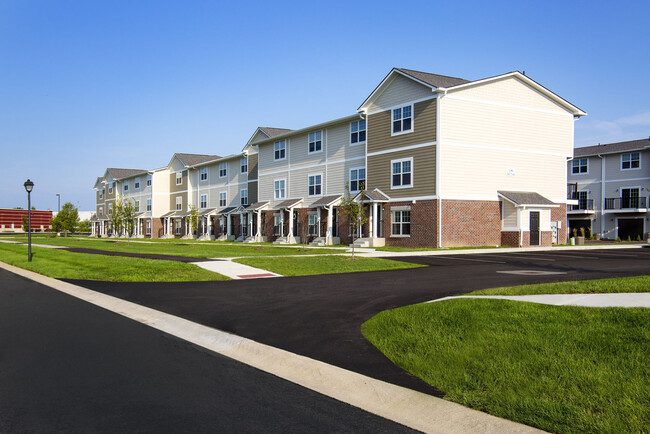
[226, 210]
[327, 200]
[289, 203]
[257, 205]
[526, 198]
[207, 212]
[375, 195]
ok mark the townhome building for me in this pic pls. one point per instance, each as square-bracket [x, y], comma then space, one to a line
[609, 188]
[435, 161]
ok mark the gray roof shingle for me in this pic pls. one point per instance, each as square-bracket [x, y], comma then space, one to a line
[124, 173]
[326, 200]
[526, 198]
[288, 203]
[612, 148]
[272, 132]
[192, 159]
[434, 80]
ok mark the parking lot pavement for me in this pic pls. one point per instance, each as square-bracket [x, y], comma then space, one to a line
[320, 316]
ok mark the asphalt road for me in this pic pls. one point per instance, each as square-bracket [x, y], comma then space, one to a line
[320, 316]
[69, 366]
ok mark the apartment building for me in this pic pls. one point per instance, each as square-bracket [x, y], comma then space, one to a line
[436, 161]
[609, 187]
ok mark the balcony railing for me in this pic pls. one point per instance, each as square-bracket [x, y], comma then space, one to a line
[583, 204]
[625, 202]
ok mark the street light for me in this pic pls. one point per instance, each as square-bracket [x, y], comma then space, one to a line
[58, 198]
[29, 185]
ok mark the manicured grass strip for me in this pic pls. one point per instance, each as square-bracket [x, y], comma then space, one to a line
[67, 265]
[420, 249]
[561, 369]
[620, 284]
[208, 249]
[296, 266]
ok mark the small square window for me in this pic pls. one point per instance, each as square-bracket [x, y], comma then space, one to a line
[402, 119]
[579, 166]
[402, 173]
[315, 141]
[357, 179]
[401, 223]
[358, 132]
[280, 149]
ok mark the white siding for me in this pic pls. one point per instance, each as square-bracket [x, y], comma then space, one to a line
[399, 90]
[160, 183]
[509, 215]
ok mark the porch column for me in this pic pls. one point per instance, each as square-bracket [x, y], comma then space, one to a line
[228, 225]
[208, 225]
[375, 220]
[330, 217]
[290, 222]
[249, 222]
[259, 224]
[241, 224]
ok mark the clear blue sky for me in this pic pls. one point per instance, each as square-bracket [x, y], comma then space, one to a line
[86, 85]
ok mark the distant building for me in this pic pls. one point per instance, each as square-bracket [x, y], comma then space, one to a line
[11, 220]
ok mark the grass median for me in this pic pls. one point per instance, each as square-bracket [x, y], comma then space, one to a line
[67, 265]
[196, 249]
[306, 266]
[558, 368]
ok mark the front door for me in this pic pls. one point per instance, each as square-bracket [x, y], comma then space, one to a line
[534, 228]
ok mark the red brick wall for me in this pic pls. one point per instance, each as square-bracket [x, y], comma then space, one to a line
[546, 238]
[510, 239]
[559, 214]
[423, 224]
[157, 228]
[470, 223]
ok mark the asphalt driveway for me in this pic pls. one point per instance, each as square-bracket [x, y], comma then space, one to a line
[320, 316]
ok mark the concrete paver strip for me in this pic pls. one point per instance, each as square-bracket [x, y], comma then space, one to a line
[235, 270]
[618, 299]
[413, 409]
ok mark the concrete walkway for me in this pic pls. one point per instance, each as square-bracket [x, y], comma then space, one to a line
[33, 245]
[620, 299]
[234, 270]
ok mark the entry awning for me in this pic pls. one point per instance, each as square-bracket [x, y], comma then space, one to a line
[289, 203]
[257, 206]
[527, 199]
[328, 200]
[226, 211]
[375, 195]
[207, 212]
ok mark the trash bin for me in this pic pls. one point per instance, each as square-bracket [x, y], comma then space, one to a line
[572, 241]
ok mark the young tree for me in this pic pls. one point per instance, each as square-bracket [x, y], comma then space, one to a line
[128, 216]
[192, 219]
[66, 220]
[353, 212]
[116, 217]
[84, 226]
[25, 223]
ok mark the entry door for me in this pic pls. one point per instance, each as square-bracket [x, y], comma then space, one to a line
[534, 228]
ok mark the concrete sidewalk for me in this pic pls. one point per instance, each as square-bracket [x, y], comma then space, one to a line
[47, 246]
[620, 299]
[234, 270]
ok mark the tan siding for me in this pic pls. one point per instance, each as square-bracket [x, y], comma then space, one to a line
[424, 128]
[172, 201]
[172, 182]
[400, 90]
[424, 169]
[252, 166]
[252, 191]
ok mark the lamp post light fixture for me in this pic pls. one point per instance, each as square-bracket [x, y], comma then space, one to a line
[58, 198]
[29, 185]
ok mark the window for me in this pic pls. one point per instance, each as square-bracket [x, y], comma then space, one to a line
[278, 188]
[630, 197]
[315, 141]
[315, 184]
[222, 199]
[137, 206]
[223, 169]
[244, 165]
[277, 224]
[203, 202]
[357, 179]
[179, 224]
[358, 132]
[148, 180]
[179, 178]
[244, 197]
[179, 203]
[101, 210]
[136, 184]
[402, 119]
[148, 204]
[101, 193]
[111, 186]
[402, 171]
[401, 223]
[579, 166]
[126, 185]
[148, 227]
[110, 209]
[630, 161]
[313, 225]
[280, 150]
[203, 174]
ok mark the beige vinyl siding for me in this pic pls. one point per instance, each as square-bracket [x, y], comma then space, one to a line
[160, 184]
[423, 172]
[172, 182]
[613, 166]
[509, 214]
[265, 190]
[338, 175]
[266, 159]
[252, 166]
[424, 128]
[399, 90]
[258, 137]
[338, 143]
[299, 182]
[252, 192]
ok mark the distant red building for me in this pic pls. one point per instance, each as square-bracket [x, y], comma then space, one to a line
[11, 220]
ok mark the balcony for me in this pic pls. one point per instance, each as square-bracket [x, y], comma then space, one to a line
[626, 204]
[584, 206]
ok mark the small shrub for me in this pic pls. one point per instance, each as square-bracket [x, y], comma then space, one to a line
[618, 239]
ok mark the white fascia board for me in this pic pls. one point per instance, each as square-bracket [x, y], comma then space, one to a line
[258, 129]
[380, 88]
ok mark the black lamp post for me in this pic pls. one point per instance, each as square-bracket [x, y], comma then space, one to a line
[29, 185]
[58, 197]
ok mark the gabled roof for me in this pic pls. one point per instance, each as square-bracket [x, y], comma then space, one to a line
[118, 174]
[272, 132]
[612, 148]
[434, 80]
[100, 180]
[289, 203]
[194, 159]
[525, 198]
[327, 200]
[207, 211]
[375, 195]
[227, 210]
[257, 205]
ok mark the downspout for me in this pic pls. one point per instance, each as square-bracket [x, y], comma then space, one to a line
[441, 92]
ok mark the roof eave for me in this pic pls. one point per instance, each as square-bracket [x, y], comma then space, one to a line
[380, 86]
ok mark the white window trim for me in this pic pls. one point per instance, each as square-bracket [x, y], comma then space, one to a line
[241, 165]
[285, 189]
[321, 142]
[225, 194]
[350, 178]
[632, 168]
[179, 178]
[206, 201]
[412, 120]
[136, 183]
[225, 175]
[581, 173]
[321, 184]
[207, 175]
[136, 205]
[241, 196]
[392, 219]
[125, 186]
[285, 150]
[148, 181]
[366, 130]
[412, 173]
[179, 202]
[149, 205]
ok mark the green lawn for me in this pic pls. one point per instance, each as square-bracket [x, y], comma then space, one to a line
[561, 369]
[620, 284]
[198, 249]
[67, 265]
[297, 266]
